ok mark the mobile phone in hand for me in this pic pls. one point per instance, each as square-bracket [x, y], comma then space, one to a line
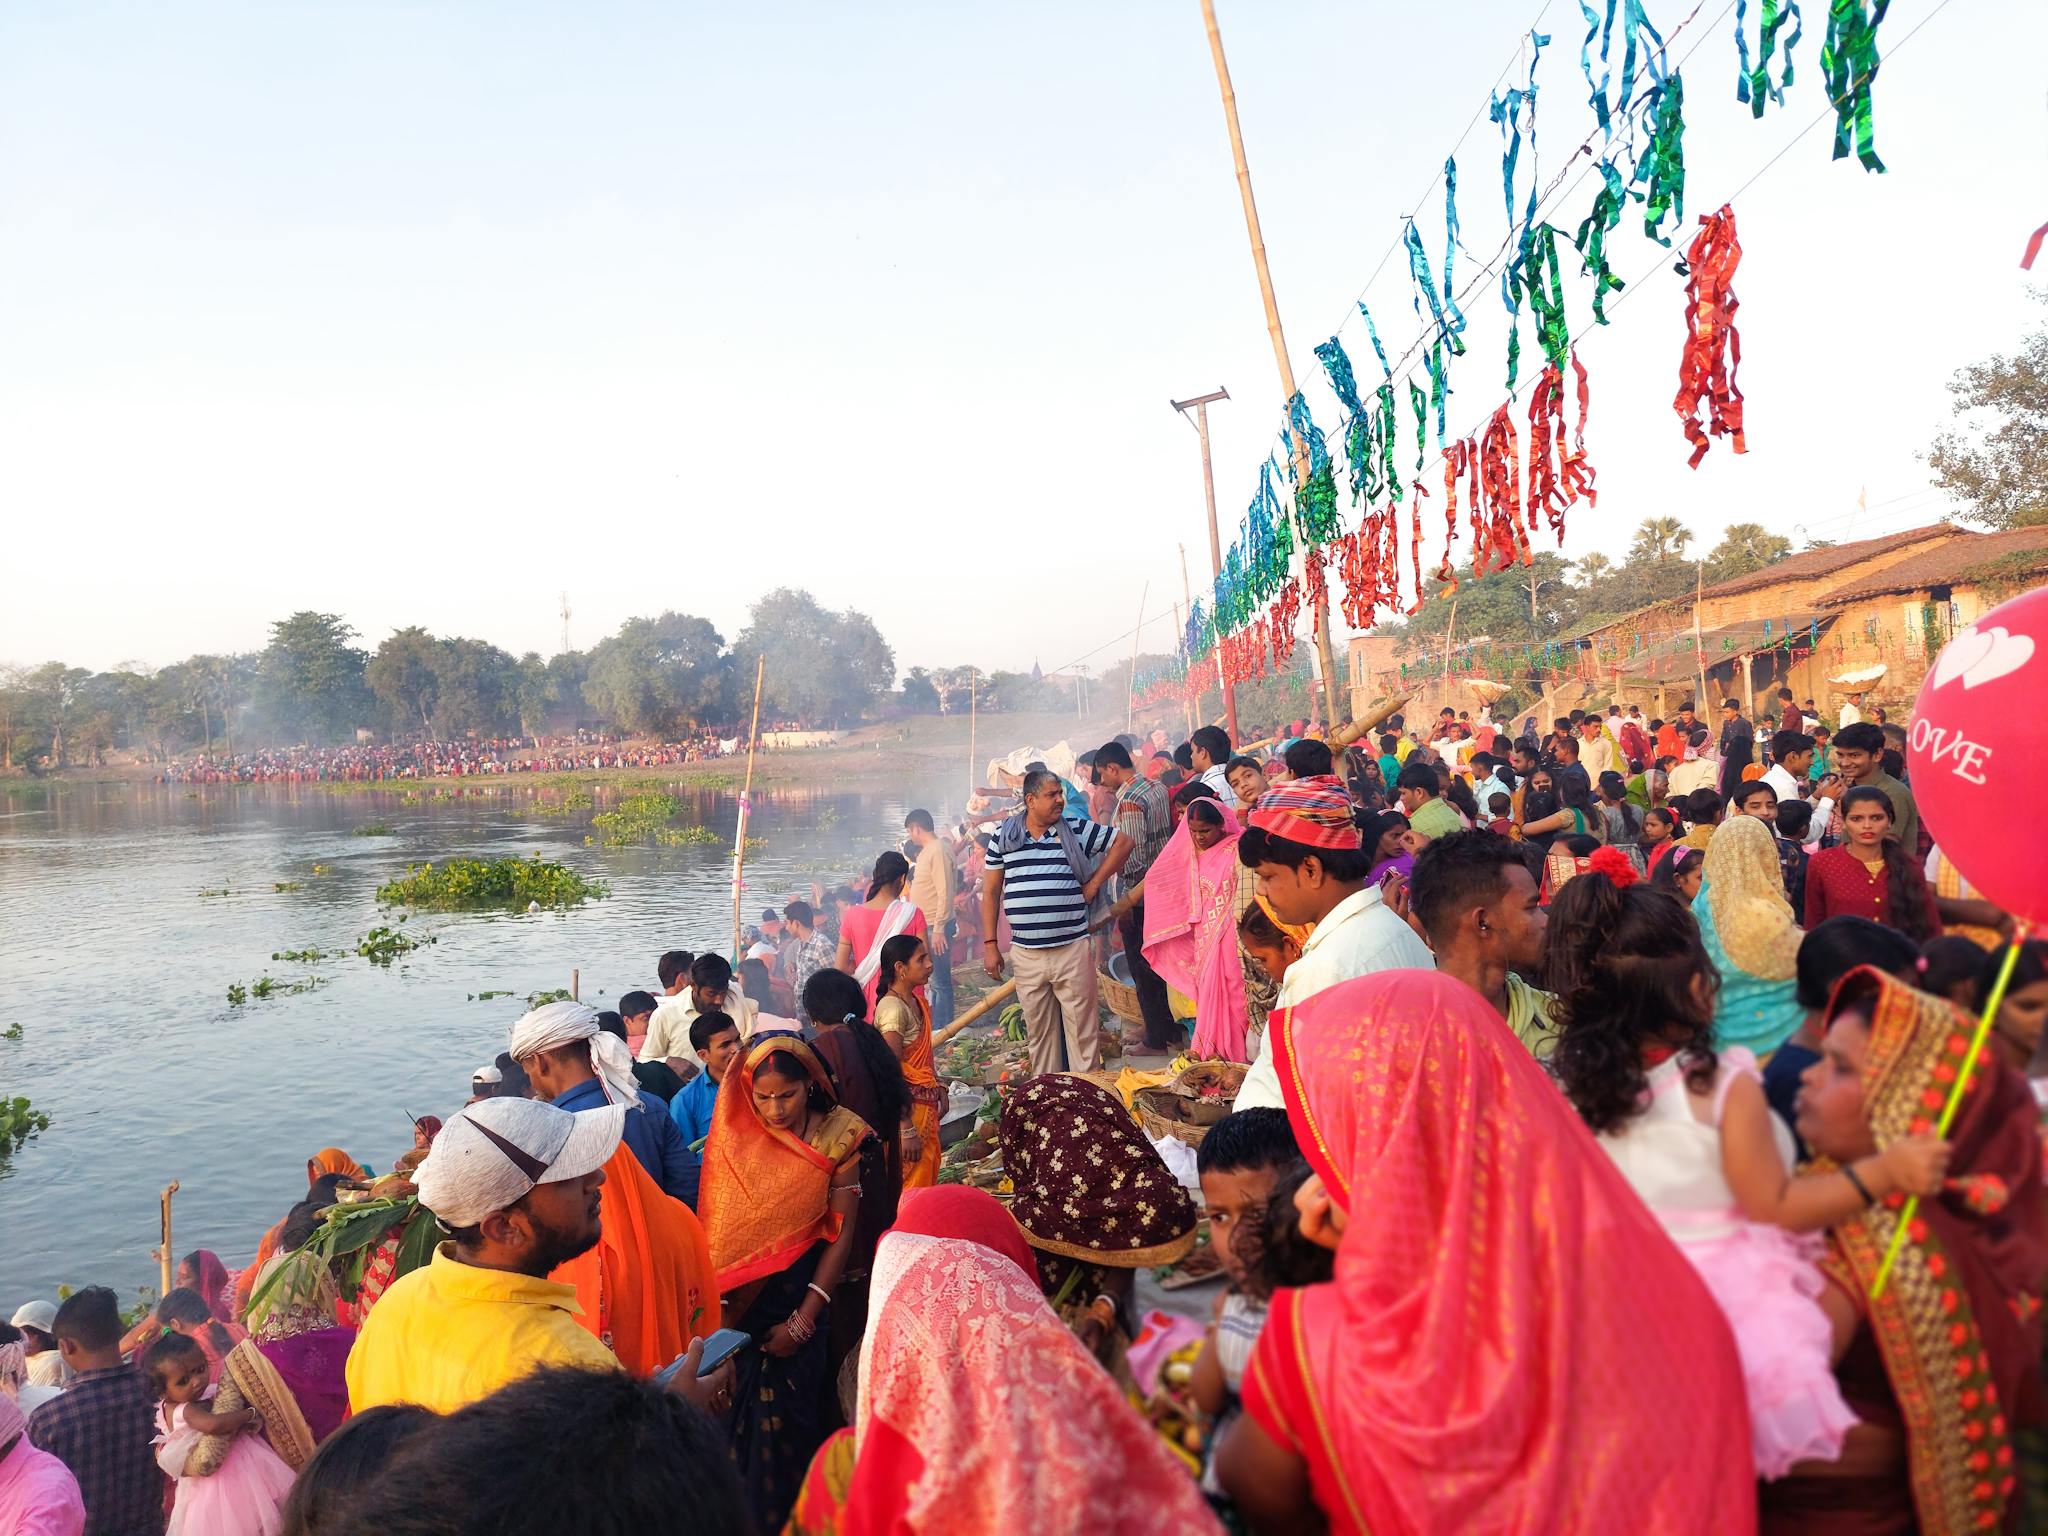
[718, 1348]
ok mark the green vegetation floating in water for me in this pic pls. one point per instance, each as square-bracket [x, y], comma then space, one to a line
[477, 884]
[374, 829]
[285, 885]
[11, 1032]
[636, 819]
[299, 956]
[542, 999]
[485, 997]
[381, 946]
[269, 986]
[223, 891]
[18, 1121]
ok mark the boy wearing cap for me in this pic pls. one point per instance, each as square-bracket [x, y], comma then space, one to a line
[1312, 866]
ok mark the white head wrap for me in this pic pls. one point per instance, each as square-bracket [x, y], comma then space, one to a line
[554, 1025]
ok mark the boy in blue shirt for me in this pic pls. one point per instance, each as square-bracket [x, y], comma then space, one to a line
[716, 1040]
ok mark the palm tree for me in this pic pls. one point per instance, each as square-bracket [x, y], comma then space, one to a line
[1594, 568]
[1659, 539]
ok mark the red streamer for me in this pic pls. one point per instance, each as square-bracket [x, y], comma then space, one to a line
[1454, 463]
[1499, 540]
[1713, 348]
[1555, 485]
[1415, 545]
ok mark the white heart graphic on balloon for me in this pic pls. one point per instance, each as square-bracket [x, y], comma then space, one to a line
[2008, 653]
[1961, 655]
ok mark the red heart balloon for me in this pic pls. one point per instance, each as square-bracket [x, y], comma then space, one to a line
[1976, 747]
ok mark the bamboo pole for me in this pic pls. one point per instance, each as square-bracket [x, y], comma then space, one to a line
[1450, 633]
[1131, 678]
[973, 718]
[981, 1006]
[164, 1259]
[1273, 331]
[739, 849]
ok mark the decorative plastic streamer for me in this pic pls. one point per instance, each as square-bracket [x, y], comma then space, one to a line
[1755, 85]
[1415, 542]
[1454, 465]
[1556, 483]
[1546, 298]
[1374, 332]
[1634, 21]
[1358, 444]
[1506, 112]
[1663, 161]
[1385, 433]
[1591, 240]
[1500, 475]
[1439, 388]
[1315, 503]
[1418, 402]
[1713, 349]
[1848, 62]
[1443, 310]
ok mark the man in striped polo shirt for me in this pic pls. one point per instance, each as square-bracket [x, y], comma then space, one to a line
[1044, 869]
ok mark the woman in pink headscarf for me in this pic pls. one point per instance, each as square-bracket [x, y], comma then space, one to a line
[1511, 1343]
[1191, 912]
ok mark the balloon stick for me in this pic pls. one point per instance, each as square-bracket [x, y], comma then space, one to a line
[1955, 1097]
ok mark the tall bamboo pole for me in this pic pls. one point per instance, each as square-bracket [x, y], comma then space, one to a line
[1699, 650]
[1186, 699]
[973, 719]
[1279, 339]
[1131, 677]
[739, 848]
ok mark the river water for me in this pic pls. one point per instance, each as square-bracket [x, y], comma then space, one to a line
[116, 966]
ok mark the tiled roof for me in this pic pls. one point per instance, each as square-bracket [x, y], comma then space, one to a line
[2014, 552]
[1810, 564]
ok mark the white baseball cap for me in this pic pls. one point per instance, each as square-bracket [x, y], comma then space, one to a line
[36, 1314]
[490, 1154]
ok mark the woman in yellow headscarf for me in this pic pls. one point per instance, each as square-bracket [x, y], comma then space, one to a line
[1751, 936]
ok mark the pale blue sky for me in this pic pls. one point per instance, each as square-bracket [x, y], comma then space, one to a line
[423, 312]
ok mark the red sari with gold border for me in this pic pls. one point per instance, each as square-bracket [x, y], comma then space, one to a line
[1510, 1343]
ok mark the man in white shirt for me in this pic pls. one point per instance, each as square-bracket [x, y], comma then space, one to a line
[1597, 754]
[1852, 711]
[1209, 750]
[1791, 757]
[711, 989]
[1311, 868]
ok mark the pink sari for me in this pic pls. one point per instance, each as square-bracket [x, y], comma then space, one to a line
[866, 929]
[1191, 937]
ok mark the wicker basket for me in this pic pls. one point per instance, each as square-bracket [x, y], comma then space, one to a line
[1160, 1112]
[1119, 994]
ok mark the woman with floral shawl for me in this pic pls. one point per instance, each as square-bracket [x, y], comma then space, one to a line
[1751, 936]
[1510, 1343]
[1025, 1435]
[1944, 1366]
[1191, 910]
[1096, 1202]
[780, 1198]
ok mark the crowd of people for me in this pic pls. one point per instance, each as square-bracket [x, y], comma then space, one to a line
[377, 762]
[1584, 1086]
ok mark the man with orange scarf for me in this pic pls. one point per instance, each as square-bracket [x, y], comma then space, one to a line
[1511, 1342]
[646, 1288]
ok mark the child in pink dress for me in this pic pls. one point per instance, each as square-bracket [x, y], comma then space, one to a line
[245, 1495]
[1691, 1131]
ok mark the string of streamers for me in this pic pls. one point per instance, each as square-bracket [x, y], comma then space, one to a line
[1443, 309]
[1713, 349]
[1754, 86]
[1543, 287]
[1848, 63]
[1507, 113]
[1662, 164]
[1454, 465]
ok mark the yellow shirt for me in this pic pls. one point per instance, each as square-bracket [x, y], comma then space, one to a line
[452, 1333]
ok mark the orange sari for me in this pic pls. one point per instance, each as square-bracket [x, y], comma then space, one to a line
[766, 1194]
[646, 1289]
[928, 1099]
[1510, 1338]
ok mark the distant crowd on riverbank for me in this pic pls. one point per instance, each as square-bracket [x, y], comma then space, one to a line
[379, 761]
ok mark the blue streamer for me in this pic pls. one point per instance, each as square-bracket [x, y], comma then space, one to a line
[1447, 329]
[1374, 332]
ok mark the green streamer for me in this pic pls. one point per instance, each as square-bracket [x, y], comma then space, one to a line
[1663, 161]
[1439, 389]
[1315, 500]
[1755, 85]
[1419, 403]
[1546, 298]
[1387, 431]
[1591, 238]
[1848, 63]
[1506, 112]
[1357, 422]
